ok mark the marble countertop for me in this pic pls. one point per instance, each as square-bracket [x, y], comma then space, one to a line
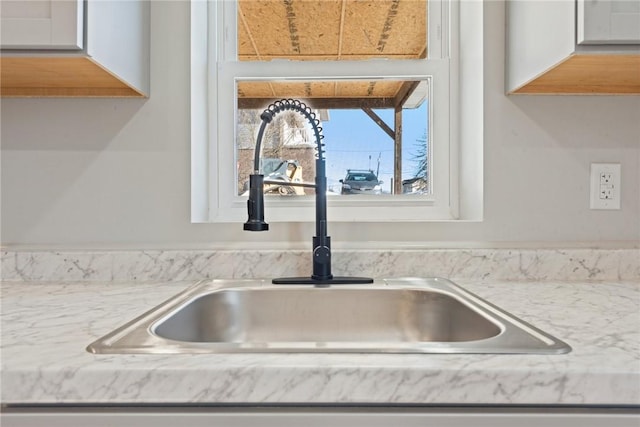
[47, 325]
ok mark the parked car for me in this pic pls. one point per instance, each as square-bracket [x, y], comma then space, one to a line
[361, 182]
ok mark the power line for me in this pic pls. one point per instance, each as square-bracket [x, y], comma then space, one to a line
[359, 151]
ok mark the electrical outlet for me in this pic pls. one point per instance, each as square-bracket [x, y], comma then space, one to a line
[605, 186]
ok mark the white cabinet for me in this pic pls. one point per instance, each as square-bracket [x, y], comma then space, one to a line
[41, 24]
[371, 416]
[75, 48]
[544, 55]
[608, 22]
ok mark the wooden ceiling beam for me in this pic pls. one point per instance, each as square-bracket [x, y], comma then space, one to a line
[404, 93]
[322, 103]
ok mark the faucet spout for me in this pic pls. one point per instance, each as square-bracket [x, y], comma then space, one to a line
[321, 254]
[255, 205]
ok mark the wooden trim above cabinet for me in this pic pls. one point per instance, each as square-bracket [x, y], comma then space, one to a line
[589, 74]
[73, 76]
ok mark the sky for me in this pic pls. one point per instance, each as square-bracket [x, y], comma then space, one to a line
[354, 141]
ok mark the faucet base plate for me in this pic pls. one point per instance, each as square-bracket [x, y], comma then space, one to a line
[336, 280]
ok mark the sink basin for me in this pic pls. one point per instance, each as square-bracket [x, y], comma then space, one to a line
[406, 315]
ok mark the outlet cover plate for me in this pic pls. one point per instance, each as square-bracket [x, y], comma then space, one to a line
[605, 186]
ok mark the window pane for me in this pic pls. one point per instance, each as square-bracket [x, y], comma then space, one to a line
[362, 151]
[331, 30]
[356, 145]
[288, 151]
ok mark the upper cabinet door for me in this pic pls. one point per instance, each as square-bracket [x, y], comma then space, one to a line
[41, 24]
[608, 22]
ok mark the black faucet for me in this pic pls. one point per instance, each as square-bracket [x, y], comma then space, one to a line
[321, 254]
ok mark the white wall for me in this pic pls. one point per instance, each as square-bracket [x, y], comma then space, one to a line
[115, 173]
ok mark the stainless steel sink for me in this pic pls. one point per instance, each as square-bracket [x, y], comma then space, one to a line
[407, 315]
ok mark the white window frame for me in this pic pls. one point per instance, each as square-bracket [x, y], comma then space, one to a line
[214, 197]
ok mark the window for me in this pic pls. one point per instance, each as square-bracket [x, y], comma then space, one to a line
[355, 136]
[342, 58]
